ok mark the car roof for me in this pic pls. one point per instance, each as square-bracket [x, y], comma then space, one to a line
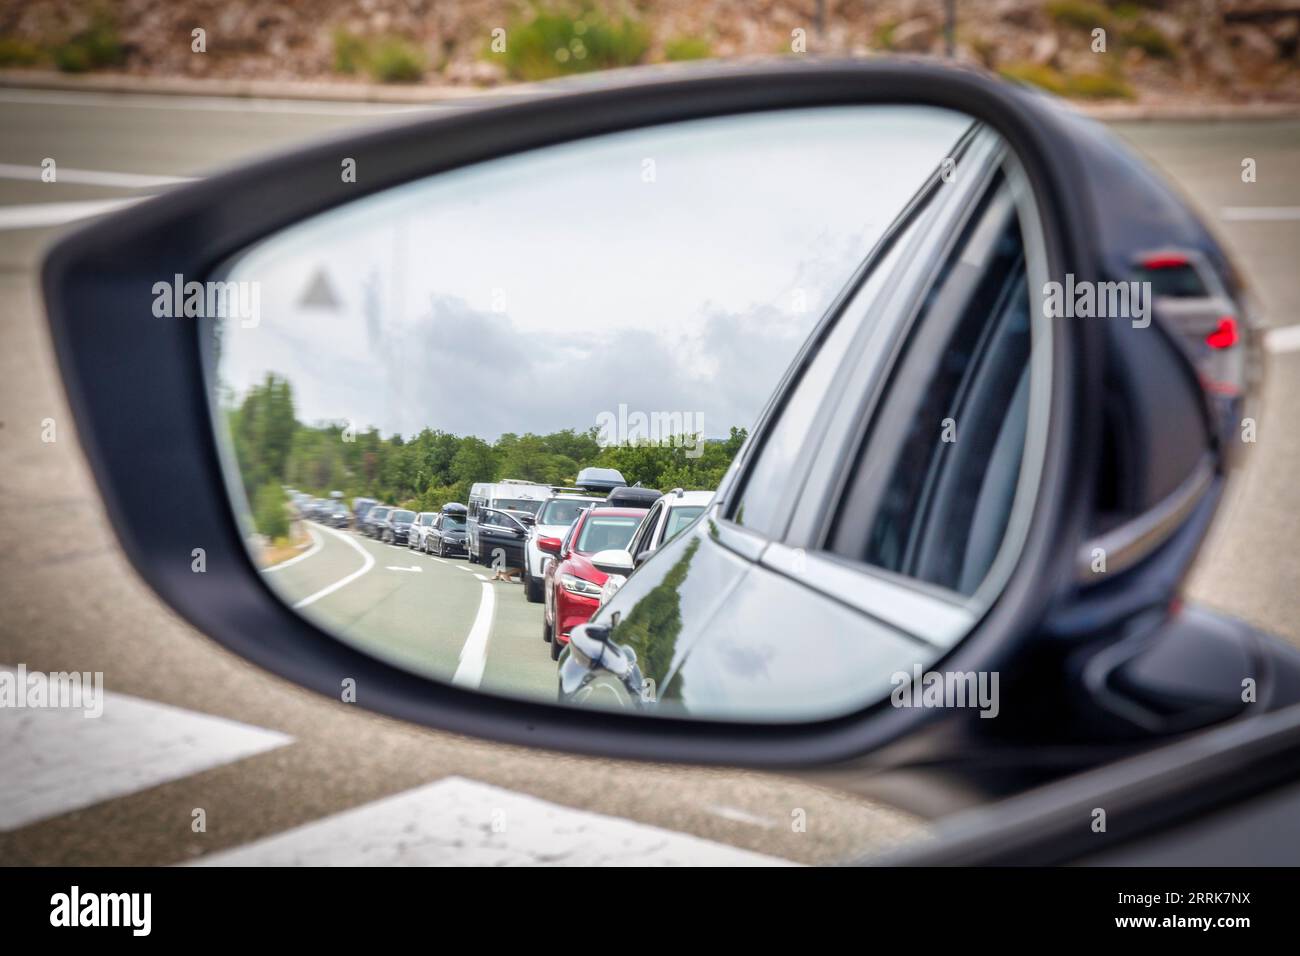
[688, 498]
[617, 512]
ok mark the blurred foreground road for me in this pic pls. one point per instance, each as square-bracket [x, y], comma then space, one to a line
[283, 758]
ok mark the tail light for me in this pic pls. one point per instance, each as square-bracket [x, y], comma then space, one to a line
[1167, 261]
[1225, 336]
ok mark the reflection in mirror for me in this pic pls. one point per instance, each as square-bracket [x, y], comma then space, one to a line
[487, 425]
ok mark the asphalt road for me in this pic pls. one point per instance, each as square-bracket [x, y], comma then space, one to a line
[438, 616]
[69, 600]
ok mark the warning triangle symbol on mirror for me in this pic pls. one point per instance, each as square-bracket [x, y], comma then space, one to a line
[319, 294]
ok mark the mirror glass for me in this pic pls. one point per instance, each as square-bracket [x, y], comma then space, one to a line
[575, 344]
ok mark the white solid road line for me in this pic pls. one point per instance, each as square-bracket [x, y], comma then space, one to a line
[341, 582]
[1260, 213]
[459, 822]
[473, 656]
[316, 543]
[212, 104]
[57, 760]
[37, 215]
[737, 815]
[91, 177]
[1284, 339]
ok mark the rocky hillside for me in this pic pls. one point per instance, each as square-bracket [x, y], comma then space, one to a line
[1154, 50]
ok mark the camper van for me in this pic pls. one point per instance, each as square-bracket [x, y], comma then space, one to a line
[509, 494]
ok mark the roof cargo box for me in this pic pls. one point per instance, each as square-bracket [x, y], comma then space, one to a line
[599, 479]
[626, 497]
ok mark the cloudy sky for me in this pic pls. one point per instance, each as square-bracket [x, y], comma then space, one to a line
[675, 269]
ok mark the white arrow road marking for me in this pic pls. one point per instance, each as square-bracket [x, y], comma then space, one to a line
[1285, 339]
[481, 577]
[316, 543]
[37, 214]
[91, 177]
[366, 566]
[473, 656]
[57, 760]
[393, 567]
[459, 822]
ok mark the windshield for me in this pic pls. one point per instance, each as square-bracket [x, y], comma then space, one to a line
[679, 518]
[517, 504]
[453, 523]
[1174, 281]
[379, 514]
[403, 516]
[604, 532]
[562, 511]
[426, 518]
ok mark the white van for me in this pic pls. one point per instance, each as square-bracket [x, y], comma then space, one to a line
[508, 494]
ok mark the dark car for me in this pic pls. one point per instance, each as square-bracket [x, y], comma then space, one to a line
[446, 536]
[360, 508]
[336, 515]
[395, 526]
[373, 523]
[1191, 300]
[881, 542]
[502, 535]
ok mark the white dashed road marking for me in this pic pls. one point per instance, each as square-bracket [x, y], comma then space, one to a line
[91, 177]
[40, 215]
[458, 822]
[57, 759]
[1285, 339]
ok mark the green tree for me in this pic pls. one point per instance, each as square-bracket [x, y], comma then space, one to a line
[269, 514]
[474, 461]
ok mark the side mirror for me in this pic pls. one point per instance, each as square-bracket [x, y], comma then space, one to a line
[613, 561]
[941, 541]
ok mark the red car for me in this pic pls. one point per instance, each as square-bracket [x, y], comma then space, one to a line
[571, 585]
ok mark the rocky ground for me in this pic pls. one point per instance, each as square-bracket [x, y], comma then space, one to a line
[1155, 50]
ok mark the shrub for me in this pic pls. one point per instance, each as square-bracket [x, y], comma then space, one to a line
[349, 51]
[1099, 86]
[394, 60]
[687, 48]
[1150, 41]
[14, 52]
[1090, 86]
[94, 47]
[269, 514]
[883, 38]
[552, 44]
[1041, 76]
[1080, 14]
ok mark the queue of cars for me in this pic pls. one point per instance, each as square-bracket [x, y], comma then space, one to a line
[575, 546]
